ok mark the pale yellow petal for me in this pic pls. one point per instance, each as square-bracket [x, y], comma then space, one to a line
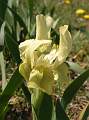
[65, 44]
[29, 47]
[42, 77]
[41, 28]
[63, 77]
[51, 56]
[22, 47]
[49, 21]
[25, 70]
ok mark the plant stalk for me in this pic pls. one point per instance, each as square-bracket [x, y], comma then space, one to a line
[2, 64]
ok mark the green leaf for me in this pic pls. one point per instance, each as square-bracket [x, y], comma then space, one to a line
[15, 82]
[15, 14]
[30, 2]
[60, 113]
[72, 89]
[12, 45]
[26, 93]
[30, 13]
[2, 116]
[84, 113]
[19, 19]
[43, 106]
[2, 10]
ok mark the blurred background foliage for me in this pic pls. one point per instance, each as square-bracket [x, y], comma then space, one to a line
[64, 11]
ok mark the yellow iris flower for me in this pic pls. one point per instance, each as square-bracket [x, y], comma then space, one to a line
[86, 16]
[41, 62]
[67, 1]
[80, 11]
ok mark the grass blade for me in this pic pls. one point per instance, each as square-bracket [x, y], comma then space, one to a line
[2, 10]
[26, 93]
[12, 45]
[84, 113]
[15, 82]
[43, 106]
[72, 89]
[60, 113]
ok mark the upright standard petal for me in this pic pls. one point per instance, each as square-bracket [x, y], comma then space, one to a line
[28, 49]
[41, 28]
[65, 44]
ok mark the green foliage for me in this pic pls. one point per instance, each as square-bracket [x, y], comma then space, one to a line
[84, 113]
[73, 88]
[19, 20]
[26, 93]
[12, 45]
[15, 81]
[60, 112]
[3, 9]
[42, 106]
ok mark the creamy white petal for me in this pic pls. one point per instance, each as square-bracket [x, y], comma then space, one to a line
[62, 75]
[42, 77]
[25, 70]
[28, 48]
[41, 28]
[65, 44]
[51, 56]
[49, 21]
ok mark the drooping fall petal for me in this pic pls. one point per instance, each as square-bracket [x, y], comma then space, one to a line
[63, 76]
[42, 77]
[25, 70]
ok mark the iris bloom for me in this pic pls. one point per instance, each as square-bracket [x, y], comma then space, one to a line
[42, 63]
[80, 11]
[86, 16]
[67, 1]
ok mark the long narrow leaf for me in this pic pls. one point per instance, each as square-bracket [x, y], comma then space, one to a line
[19, 19]
[2, 116]
[72, 89]
[16, 15]
[12, 45]
[15, 82]
[60, 113]
[2, 10]
[43, 106]
[84, 113]
[26, 93]
[30, 2]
